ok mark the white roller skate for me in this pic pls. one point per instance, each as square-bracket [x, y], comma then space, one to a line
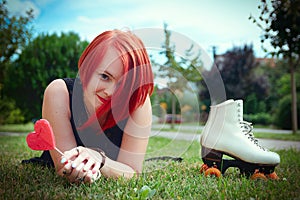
[226, 133]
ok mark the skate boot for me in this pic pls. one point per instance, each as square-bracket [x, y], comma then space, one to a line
[226, 133]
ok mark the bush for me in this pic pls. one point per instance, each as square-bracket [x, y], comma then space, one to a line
[259, 118]
[283, 118]
[9, 114]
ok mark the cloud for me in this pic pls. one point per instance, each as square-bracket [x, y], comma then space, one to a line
[219, 23]
[19, 8]
[43, 3]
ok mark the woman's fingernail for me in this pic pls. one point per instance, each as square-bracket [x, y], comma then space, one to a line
[63, 160]
[74, 165]
[94, 171]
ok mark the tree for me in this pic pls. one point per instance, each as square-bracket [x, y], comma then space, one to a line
[46, 58]
[178, 70]
[241, 75]
[170, 70]
[15, 33]
[280, 25]
[282, 91]
[237, 70]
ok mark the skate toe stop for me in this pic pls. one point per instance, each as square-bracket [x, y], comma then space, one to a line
[213, 172]
[273, 176]
[258, 175]
[203, 168]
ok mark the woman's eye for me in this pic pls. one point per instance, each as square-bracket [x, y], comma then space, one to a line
[104, 77]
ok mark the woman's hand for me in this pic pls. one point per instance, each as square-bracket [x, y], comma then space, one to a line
[81, 165]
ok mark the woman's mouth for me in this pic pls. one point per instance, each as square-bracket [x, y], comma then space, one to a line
[102, 100]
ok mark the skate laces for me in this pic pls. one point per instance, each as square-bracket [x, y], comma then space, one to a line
[247, 130]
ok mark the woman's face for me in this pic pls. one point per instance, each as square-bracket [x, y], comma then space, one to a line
[103, 80]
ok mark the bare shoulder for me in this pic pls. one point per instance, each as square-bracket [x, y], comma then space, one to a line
[57, 86]
[142, 116]
[56, 98]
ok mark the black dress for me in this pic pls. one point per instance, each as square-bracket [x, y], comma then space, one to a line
[109, 142]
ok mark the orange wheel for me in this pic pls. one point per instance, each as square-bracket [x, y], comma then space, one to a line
[203, 168]
[273, 176]
[258, 175]
[213, 172]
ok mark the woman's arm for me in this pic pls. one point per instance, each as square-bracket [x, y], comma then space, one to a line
[133, 146]
[132, 150]
[56, 110]
[131, 155]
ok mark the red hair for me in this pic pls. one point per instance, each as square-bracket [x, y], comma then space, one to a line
[136, 82]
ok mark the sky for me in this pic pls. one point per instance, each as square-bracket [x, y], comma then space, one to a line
[219, 23]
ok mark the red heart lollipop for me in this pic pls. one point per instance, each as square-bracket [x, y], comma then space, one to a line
[42, 138]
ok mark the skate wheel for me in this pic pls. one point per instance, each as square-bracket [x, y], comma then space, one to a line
[273, 176]
[212, 172]
[258, 175]
[203, 168]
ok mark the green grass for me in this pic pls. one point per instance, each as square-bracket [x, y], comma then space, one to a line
[20, 128]
[162, 180]
[278, 136]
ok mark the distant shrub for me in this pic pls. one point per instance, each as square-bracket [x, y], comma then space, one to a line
[283, 118]
[9, 113]
[259, 118]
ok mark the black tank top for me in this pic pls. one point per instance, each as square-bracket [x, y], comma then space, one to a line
[109, 142]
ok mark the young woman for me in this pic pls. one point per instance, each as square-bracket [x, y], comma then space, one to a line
[102, 119]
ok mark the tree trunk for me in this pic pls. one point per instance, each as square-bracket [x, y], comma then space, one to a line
[294, 98]
[173, 111]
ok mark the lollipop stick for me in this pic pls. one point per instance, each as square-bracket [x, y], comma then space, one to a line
[61, 153]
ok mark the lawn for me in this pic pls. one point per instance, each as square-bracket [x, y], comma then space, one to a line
[161, 180]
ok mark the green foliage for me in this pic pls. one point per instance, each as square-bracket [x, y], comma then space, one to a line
[259, 118]
[237, 67]
[250, 104]
[243, 78]
[280, 97]
[253, 105]
[10, 114]
[145, 193]
[169, 98]
[279, 23]
[178, 72]
[284, 86]
[15, 33]
[46, 58]
[283, 115]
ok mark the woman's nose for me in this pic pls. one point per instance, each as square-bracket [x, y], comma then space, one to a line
[109, 90]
